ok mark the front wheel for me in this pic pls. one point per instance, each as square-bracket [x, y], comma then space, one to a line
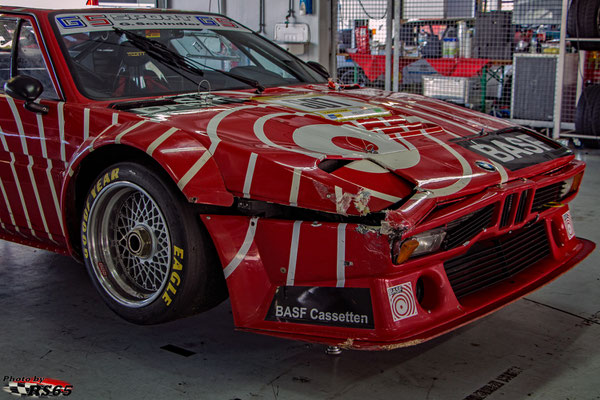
[145, 249]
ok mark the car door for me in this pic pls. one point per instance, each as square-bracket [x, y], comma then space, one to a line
[32, 151]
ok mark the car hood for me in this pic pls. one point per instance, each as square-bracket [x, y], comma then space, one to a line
[291, 145]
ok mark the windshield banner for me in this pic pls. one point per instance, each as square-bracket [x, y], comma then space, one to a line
[88, 22]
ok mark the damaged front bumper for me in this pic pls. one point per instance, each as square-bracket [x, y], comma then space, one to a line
[336, 283]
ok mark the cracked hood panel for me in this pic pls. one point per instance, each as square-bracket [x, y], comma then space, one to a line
[380, 146]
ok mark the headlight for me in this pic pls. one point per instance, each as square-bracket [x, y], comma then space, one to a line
[417, 245]
[571, 185]
[429, 241]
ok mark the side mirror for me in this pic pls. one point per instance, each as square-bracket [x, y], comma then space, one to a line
[28, 89]
[319, 68]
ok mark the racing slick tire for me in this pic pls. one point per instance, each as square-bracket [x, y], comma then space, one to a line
[587, 116]
[145, 249]
[583, 21]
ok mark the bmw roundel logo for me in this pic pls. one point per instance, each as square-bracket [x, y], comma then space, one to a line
[485, 166]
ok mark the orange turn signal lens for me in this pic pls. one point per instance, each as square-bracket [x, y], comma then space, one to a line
[576, 182]
[406, 250]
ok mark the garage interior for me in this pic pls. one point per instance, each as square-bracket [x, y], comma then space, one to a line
[510, 59]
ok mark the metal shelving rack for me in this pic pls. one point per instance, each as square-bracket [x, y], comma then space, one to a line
[557, 125]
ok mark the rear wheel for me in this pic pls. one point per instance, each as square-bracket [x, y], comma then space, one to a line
[145, 249]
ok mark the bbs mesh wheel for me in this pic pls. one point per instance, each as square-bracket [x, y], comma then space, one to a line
[145, 249]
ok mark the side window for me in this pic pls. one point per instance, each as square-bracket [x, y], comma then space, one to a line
[7, 31]
[30, 60]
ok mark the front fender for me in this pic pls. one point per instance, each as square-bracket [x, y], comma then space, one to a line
[183, 157]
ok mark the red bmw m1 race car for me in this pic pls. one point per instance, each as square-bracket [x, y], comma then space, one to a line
[184, 159]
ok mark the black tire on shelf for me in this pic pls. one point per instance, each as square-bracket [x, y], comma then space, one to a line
[583, 21]
[145, 249]
[587, 115]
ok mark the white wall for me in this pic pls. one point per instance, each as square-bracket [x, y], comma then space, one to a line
[247, 13]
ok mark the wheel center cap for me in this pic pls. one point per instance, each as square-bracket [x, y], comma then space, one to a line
[139, 242]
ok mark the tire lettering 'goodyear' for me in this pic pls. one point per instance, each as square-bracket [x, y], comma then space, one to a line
[98, 186]
[175, 279]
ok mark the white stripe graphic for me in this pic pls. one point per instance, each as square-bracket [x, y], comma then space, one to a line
[91, 146]
[501, 171]
[10, 213]
[341, 255]
[249, 174]
[385, 122]
[18, 184]
[86, 123]
[23, 204]
[194, 170]
[154, 145]
[211, 128]
[474, 115]
[295, 187]
[42, 134]
[37, 198]
[115, 118]
[61, 129]
[259, 131]
[430, 119]
[15, 112]
[462, 181]
[126, 131]
[241, 254]
[211, 131]
[55, 197]
[291, 272]
[17, 117]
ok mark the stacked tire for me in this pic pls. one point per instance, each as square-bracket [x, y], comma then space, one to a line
[583, 22]
[587, 117]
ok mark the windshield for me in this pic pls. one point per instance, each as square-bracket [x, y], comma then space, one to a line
[107, 65]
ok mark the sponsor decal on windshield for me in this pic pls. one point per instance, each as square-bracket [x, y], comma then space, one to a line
[82, 23]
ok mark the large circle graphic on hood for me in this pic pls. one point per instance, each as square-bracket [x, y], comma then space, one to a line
[345, 141]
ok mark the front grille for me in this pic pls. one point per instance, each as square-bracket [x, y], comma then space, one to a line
[520, 212]
[505, 218]
[547, 195]
[522, 208]
[466, 228]
[492, 261]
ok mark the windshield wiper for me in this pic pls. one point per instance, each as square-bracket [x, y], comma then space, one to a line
[162, 53]
[159, 51]
[248, 81]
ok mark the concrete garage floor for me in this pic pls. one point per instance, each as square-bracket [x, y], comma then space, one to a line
[543, 347]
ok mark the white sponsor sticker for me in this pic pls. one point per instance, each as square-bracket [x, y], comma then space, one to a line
[568, 221]
[402, 301]
[334, 108]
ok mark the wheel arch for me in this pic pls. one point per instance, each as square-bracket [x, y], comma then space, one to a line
[205, 188]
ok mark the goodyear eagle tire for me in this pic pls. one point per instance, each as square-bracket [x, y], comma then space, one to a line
[145, 249]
